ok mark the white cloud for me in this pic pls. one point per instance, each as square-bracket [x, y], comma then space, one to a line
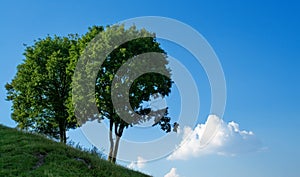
[215, 137]
[139, 164]
[172, 173]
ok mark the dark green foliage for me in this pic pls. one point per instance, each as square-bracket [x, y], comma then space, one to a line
[41, 88]
[141, 89]
[42, 92]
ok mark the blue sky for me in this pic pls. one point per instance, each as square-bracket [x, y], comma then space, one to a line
[257, 43]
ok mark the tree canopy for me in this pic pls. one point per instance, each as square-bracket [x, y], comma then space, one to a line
[40, 90]
[51, 94]
[113, 84]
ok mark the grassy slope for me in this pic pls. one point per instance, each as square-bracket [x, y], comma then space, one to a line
[26, 154]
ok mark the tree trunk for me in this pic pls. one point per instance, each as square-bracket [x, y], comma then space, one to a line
[61, 139]
[62, 133]
[64, 136]
[114, 147]
[111, 150]
[114, 159]
[118, 133]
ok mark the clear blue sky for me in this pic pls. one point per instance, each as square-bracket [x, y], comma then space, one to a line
[257, 43]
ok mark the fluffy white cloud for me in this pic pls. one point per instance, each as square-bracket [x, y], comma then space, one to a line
[172, 173]
[139, 164]
[215, 137]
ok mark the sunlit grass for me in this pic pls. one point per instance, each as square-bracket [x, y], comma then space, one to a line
[27, 154]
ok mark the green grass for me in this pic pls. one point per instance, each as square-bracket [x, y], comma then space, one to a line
[27, 154]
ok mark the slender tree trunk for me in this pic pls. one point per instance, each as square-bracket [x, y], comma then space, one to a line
[62, 133]
[61, 139]
[114, 146]
[65, 137]
[111, 150]
[118, 132]
[114, 158]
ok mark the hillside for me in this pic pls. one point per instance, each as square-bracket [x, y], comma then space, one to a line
[27, 154]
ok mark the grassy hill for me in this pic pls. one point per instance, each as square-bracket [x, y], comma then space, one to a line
[27, 154]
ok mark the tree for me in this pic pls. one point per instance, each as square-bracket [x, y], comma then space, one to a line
[109, 80]
[40, 91]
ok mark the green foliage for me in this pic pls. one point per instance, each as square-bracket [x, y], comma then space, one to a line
[140, 89]
[41, 88]
[26, 154]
